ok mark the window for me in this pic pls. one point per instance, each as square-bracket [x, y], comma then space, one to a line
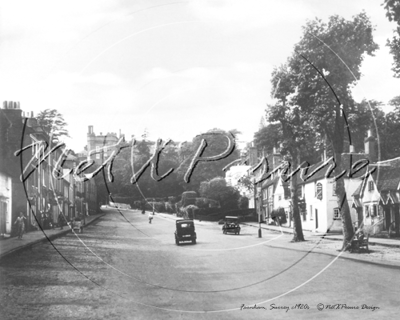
[366, 210]
[373, 211]
[279, 198]
[300, 192]
[370, 185]
[265, 194]
[311, 213]
[334, 188]
[270, 193]
[336, 214]
[318, 191]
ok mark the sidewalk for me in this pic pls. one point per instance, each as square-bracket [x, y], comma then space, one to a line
[385, 252]
[394, 243]
[29, 239]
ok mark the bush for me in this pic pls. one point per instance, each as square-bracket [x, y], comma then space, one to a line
[201, 203]
[243, 203]
[279, 215]
[170, 208]
[158, 206]
[172, 199]
[188, 197]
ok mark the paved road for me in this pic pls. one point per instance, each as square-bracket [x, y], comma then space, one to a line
[122, 267]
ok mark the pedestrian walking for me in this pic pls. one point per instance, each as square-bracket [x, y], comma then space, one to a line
[20, 225]
[151, 216]
[60, 220]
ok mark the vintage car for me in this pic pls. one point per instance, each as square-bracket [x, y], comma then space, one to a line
[185, 231]
[231, 225]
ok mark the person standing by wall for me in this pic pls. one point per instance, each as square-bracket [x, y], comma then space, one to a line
[60, 220]
[20, 225]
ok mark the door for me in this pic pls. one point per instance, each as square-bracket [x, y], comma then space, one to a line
[387, 217]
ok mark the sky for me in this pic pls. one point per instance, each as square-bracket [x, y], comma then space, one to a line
[173, 69]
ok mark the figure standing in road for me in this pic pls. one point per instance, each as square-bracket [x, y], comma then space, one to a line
[151, 216]
[20, 225]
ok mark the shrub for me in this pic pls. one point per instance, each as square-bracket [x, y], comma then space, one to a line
[158, 206]
[243, 203]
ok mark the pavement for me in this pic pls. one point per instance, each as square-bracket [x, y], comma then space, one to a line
[13, 244]
[386, 242]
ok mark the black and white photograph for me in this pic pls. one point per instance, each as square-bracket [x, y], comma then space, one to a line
[199, 159]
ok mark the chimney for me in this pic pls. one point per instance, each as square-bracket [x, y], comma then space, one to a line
[369, 146]
[90, 130]
[253, 155]
[276, 157]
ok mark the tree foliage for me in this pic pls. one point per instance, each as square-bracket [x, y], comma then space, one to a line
[217, 189]
[217, 143]
[316, 85]
[53, 123]
[268, 137]
[392, 8]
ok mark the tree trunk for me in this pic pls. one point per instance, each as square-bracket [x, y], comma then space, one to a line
[343, 205]
[297, 227]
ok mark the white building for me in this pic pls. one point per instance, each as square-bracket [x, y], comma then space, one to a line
[5, 204]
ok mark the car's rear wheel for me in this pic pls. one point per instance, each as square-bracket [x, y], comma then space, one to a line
[194, 241]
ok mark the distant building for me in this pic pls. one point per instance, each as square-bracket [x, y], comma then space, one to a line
[100, 146]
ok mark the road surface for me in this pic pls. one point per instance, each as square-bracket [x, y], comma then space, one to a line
[122, 267]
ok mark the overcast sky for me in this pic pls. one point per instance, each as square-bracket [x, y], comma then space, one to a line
[173, 68]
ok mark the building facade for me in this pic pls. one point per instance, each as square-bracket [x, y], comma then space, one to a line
[28, 179]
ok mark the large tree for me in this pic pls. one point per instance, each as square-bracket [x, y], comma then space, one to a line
[393, 14]
[390, 131]
[325, 65]
[53, 123]
[217, 143]
[298, 143]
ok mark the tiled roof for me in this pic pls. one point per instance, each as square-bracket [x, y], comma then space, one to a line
[387, 178]
[359, 189]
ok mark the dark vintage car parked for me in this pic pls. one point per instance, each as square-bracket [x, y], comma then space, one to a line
[185, 231]
[231, 225]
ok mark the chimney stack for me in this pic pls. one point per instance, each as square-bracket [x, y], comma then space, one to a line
[253, 155]
[369, 145]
